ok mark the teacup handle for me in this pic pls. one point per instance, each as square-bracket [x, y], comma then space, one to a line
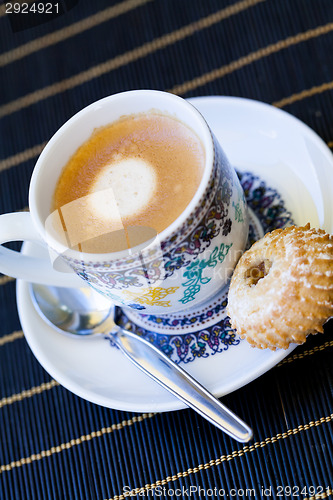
[19, 226]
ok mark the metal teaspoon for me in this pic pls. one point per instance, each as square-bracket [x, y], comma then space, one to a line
[82, 311]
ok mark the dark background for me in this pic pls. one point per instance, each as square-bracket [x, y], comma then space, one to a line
[276, 51]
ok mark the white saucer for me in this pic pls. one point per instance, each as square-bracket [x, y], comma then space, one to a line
[259, 138]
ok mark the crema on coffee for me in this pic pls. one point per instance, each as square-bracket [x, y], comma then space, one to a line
[129, 180]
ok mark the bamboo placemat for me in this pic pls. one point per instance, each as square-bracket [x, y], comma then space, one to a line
[55, 445]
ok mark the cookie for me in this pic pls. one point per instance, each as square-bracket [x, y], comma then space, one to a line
[282, 287]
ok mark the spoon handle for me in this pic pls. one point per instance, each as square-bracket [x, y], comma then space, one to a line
[172, 377]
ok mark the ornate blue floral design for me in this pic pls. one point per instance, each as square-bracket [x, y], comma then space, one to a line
[215, 221]
[194, 272]
[265, 202]
[218, 337]
[190, 346]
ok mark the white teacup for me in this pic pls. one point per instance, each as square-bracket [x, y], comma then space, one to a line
[185, 264]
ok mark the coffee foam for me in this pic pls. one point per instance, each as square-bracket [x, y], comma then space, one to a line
[133, 182]
[141, 171]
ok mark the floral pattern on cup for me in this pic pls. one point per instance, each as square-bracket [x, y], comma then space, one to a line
[152, 296]
[184, 345]
[194, 272]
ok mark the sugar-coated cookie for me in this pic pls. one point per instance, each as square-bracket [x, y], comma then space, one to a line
[282, 287]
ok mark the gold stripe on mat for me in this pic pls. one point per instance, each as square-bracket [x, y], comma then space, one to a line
[69, 31]
[36, 150]
[327, 494]
[2, 10]
[250, 58]
[74, 442]
[304, 354]
[28, 393]
[11, 337]
[6, 279]
[224, 458]
[303, 95]
[22, 156]
[126, 58]
[3, 6]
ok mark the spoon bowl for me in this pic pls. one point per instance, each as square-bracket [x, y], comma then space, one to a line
[75, 312]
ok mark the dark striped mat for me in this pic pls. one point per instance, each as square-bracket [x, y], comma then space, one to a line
[55, 445]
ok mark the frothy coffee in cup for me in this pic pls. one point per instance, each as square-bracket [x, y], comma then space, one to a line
[131, 179]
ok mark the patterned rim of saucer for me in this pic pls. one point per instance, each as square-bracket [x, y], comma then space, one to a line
[205, 330]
